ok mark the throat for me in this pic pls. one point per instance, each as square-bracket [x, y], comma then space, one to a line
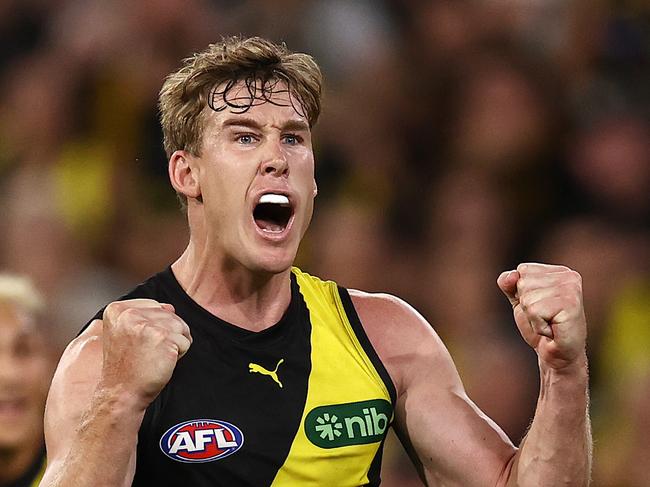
[236, 295]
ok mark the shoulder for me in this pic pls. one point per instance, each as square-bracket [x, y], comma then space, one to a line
[404, 340]
[162, 284]
[382, 305]
[81, 357]
[393, 316]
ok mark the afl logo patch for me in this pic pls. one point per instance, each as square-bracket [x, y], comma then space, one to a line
[201, 440]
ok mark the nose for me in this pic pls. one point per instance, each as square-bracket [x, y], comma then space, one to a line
[275, 164]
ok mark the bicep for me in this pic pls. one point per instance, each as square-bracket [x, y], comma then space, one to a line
[72, 389]
[452, 441]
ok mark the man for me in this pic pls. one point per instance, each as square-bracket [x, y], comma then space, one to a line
[26, 366]
[233, 368]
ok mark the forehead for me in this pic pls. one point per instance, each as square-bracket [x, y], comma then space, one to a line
[270, 99]
[15, 321]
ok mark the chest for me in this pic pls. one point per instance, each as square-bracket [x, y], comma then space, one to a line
[303, 405]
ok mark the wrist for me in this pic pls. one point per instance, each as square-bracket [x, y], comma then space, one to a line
[119, 402]
[573, 376]
[577, 367]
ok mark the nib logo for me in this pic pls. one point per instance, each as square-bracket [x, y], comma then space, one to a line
[328, 426]
[353, 423]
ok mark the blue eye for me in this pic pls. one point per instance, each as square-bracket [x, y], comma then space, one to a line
[291, 139]
[245, 139]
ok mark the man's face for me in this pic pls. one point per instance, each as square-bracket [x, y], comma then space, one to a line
[256, 174]
[25, 373]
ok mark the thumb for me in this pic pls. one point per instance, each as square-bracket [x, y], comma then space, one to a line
[507, 282]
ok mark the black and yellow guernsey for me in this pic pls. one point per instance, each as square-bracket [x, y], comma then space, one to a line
[306, 402]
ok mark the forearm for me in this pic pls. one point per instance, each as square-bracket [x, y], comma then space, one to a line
[103, 452]
[557, 448]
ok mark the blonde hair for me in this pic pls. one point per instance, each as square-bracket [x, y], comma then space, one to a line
[259, 63]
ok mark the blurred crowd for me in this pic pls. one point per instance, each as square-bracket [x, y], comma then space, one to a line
[458, 138]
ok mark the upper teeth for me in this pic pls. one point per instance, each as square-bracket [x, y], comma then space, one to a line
[277, 199]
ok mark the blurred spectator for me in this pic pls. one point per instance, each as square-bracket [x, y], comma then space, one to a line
[610, 163]
[27, 360]
[357, 251]
[457, 138]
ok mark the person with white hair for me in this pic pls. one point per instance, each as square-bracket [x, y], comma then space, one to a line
[26, 367]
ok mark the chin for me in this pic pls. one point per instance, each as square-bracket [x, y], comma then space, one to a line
[275, 267]
[273, 262]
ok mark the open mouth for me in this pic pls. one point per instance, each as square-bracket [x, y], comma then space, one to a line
[273, 213]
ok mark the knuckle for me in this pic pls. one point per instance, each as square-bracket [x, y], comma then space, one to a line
[577, 290]
[524, 301]
[130, 315]
[112, 311]
[138, 327]
[575, 301]
[573, 283]
[534, 309]
[184, 343]
[156, 333]
[577, 277]
[141, 301]
[170, 321]
[523, 284]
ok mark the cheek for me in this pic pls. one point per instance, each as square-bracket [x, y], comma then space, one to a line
[305, 169]
[218, 190]
[308, 212]
[37, 374]
[310, 191]
[228, 176]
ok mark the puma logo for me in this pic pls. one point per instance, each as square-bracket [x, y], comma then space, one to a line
[273, 374]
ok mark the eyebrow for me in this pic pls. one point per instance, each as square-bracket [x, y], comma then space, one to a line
[291, 125]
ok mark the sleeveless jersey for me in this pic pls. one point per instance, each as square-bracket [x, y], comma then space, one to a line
[306, 402]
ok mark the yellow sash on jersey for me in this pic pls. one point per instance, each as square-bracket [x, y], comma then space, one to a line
[347, 411]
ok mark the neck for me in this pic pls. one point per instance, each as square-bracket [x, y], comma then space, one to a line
[248, 299]
[15, 462]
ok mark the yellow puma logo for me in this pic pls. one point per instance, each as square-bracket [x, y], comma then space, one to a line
[273, 374]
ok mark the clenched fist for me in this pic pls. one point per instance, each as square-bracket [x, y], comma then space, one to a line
[142, 341]
[548, 310]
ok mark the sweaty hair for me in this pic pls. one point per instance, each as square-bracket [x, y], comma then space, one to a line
[205, 81]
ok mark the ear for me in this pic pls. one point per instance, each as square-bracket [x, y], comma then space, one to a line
[183, 174]
[315, 188]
